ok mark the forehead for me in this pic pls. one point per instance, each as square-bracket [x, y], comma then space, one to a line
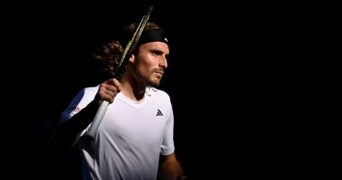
[161, 46]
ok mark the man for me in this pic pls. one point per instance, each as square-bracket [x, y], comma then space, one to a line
[135, 137]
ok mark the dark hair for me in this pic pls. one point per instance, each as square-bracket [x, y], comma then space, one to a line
[109, 54]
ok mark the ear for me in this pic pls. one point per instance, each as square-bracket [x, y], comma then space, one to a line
[132, 58]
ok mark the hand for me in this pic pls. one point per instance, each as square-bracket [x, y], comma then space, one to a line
[108, 90]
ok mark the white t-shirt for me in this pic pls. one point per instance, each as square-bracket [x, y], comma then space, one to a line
[130, 137]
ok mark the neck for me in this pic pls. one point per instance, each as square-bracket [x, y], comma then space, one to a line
[132, 88]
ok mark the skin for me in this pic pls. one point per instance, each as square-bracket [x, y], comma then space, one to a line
[146, 68]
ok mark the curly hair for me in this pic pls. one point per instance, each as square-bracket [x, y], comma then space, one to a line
[108, 56]
[110, 53]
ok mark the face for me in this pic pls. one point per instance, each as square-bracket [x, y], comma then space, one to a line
[150, 62]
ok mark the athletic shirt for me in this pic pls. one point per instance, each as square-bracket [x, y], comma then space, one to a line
[130, 137]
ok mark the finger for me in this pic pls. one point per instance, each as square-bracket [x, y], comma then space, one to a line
[117, 84]
[111, 93]
[111, 88]
[106, 97]
[109, 98]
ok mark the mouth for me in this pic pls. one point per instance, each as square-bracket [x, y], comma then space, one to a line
[159, 73]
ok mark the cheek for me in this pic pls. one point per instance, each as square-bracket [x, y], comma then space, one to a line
[148, 64]
[143, 68]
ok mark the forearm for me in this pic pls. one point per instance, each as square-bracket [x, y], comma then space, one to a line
[170, 168]
[68, 133]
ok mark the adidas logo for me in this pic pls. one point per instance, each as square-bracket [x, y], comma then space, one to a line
[159, 113]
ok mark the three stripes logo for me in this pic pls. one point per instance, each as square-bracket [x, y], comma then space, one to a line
[159, 113]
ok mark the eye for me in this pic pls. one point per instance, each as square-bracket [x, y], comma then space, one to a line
[156, 53]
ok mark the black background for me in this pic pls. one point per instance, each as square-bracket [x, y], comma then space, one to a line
[225, 80]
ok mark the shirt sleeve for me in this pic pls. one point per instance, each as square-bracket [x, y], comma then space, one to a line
[168, 143]
[80, 101]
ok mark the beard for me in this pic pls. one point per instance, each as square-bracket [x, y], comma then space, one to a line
[150, 78]
[153, 81]
[153, 78]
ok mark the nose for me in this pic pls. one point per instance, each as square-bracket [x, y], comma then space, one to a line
[163, 62]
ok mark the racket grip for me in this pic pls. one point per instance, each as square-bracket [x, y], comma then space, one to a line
[92, 131]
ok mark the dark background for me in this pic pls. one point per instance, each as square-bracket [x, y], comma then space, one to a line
[49, 52]
[228, 80]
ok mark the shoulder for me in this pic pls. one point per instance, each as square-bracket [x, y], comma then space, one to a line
[91, 90]
[157, 93]
[88, 91]
[85, 93]
[81, 100]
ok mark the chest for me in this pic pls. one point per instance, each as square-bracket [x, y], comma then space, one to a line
[135, 125]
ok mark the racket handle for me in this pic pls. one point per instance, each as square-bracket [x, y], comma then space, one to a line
[97, 120]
